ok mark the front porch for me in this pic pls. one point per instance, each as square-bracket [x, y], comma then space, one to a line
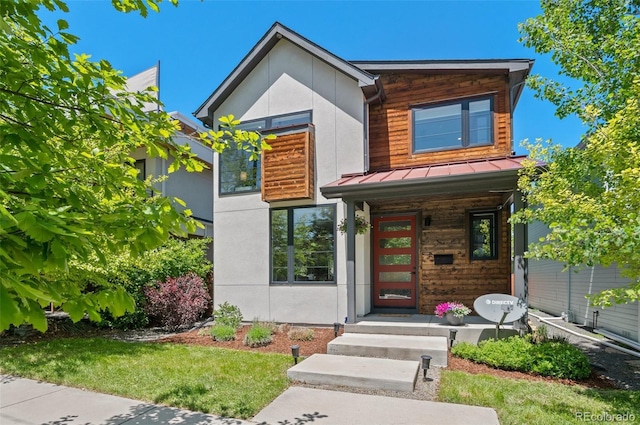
[475, 328]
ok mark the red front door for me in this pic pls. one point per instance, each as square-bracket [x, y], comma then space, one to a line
[394, 261]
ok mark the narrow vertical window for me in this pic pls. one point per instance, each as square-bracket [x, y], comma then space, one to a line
[484, 236]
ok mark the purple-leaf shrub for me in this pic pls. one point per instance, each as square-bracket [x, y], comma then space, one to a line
[177, 301]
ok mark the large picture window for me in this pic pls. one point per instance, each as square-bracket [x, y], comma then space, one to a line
[303, 245]
[450, 125]
[238, 173]
[484, 235]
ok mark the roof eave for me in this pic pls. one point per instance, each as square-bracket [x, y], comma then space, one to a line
[260, 51]
[466, 183]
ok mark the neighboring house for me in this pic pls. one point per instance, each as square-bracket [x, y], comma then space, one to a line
[563, 293]
[193, 188]
[421, 149]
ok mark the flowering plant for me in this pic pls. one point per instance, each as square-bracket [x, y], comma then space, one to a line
[361, 225]
[458, 309]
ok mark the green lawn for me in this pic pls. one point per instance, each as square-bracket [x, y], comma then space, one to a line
[520, 402]
[224, 382]
[239, 383]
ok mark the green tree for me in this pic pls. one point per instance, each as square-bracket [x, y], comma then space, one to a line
[589, 195]
[68, 186]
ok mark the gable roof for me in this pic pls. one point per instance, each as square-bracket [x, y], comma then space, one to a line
[368, 82]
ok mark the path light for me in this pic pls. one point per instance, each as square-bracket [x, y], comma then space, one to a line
[452, 336]
[426, 360]
[295, 352]
[336, 328]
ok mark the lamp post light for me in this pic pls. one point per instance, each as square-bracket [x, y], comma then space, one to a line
[336, 328]
[426, 360]
[295, 352]
[452, 336]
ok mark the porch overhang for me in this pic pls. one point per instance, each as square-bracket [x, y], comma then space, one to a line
[491, 175]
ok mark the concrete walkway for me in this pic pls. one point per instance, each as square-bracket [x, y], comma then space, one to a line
[28, 402]
[24, 401]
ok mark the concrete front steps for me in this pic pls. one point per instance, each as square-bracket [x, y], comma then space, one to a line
[371, 361]
[475, 328]
[358, 372]
[398, 347]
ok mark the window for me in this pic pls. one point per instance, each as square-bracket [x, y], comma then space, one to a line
[303, 245]
[140, 165]
[484, 235]
[466, 123]
[237, 172]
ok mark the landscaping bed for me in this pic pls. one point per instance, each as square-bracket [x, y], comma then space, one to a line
[281, 342]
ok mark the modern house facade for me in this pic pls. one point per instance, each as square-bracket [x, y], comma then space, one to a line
[421, 150]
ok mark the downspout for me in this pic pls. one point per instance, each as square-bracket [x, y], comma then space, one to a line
[511, 106]
[368, 101]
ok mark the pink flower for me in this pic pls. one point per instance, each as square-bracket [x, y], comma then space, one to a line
[458, 309]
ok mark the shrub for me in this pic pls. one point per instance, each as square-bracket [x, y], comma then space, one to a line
[177, 301]
[301, 334]
[257, 336]
[223, 333]
[228, 314]
[269, 324]
[284, 328]
[175, 258]
[549, 358]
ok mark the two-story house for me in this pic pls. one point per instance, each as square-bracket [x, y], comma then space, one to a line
[422, 150]
[193, 188]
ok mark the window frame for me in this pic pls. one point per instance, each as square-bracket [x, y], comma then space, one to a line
[268, 126]
[290, 246]
[495, 234]
[465, 127]
[142, 175]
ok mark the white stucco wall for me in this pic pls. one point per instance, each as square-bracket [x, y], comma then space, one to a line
[287, 80]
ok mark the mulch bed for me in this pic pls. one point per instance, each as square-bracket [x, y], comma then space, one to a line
[463, 365]
[280, 344]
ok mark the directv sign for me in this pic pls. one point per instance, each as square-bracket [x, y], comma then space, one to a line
[500, 308]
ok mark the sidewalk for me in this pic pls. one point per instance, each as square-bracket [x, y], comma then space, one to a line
[28, 402]
[24, 401]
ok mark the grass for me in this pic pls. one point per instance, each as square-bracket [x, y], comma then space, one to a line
[229, 383]
[537, 403]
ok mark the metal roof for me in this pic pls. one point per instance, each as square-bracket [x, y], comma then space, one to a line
[497, 174]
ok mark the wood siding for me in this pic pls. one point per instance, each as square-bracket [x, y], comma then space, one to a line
[390, 139]
[555, 290]
[288, 168]
[448, 233]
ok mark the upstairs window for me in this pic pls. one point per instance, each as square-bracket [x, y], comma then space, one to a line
[451, 125]
[484, 235]
[238, 174]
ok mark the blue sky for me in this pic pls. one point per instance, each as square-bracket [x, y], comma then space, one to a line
[200, 42]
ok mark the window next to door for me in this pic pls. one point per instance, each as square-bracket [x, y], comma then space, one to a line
[303, 244]
[449, 125]
[483, 233]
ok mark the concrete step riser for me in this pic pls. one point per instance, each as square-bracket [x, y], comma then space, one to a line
[399, 347]
[466, 334]
[356, 372]
[439, 358]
